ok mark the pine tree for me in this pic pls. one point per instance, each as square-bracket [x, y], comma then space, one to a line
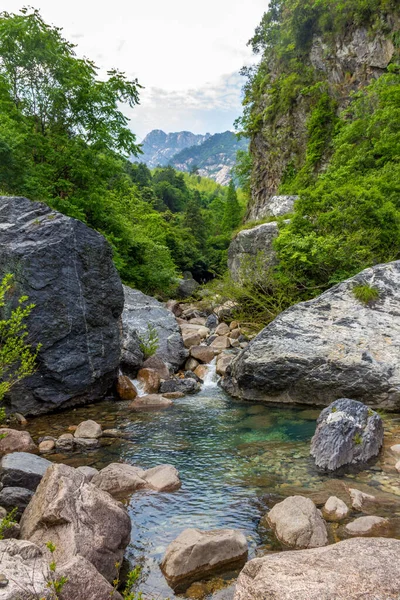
[194, 221]
[232, 212]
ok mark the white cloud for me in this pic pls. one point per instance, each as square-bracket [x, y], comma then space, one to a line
[179, 50]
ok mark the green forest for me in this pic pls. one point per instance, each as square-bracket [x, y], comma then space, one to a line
[347, 177]
[64, 141]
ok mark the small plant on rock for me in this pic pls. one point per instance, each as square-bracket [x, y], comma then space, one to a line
[8, 522]
[149, 342]
[366, 293]
[357, 439]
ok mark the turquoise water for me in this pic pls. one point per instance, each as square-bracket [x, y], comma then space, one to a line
[234, 458]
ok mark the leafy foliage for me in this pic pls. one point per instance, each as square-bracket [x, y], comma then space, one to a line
[8, 522]
[64, 141]
[366, 293]
[17, 356]
[149, 342]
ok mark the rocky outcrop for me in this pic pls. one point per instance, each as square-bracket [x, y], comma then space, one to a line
[328, 348]
[79, 518]
[66, 270]
[350, 570]
[140, 311]
[297, 523]
[196, 554]
[348, 433]
[252, 248]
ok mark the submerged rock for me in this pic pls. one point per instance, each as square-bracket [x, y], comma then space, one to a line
[151, 402]
[186, 386]
[66, 270]
[349, 570]
[297, 523]
[88, 429]
[196, 554]
[163, 478]
[368, 526]
[120, 479]
[79, 518]
[140, 311]
[348, 433]
[331, 347]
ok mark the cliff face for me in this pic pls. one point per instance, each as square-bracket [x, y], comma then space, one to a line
[289, 97]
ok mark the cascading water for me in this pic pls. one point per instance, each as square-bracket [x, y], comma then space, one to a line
[211, 378]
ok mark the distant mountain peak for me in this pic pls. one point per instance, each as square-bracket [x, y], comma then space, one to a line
[212, 155]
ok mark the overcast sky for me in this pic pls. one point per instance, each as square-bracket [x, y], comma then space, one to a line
[186, 54]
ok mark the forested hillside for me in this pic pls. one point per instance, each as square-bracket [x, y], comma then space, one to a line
[65, 141]
[322, 111]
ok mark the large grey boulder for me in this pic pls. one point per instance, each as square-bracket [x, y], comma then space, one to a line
[251, 251]
[79, 518]
[21, 469]
[140, 311]
[297, 523]
[66, 270]
[328, 348]
[350, 570]
[348, 433]
[196, 554]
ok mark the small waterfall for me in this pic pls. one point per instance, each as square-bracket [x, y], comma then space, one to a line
[211, 377]
[139, 387]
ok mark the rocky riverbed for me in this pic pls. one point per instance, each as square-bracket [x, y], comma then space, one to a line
[236, 460]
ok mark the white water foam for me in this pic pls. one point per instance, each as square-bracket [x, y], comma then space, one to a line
[211, 378]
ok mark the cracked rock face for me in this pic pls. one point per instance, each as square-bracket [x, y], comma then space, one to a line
[140, 311]
[348, 433]
[250, 244]
[66, 269]
[328, 348]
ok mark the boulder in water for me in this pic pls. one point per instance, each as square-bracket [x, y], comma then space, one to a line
[21, 469]
[328, 348]
[196, 554]
[66, 270]
[348, 433]
[297, 523]
[12, 440]
[186, 386]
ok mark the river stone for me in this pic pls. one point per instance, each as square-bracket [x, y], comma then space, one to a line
[251, 246]
[79, 518]
[223, 362]
[204, 354]
[119, 479]
[397, 466]
[155, 362]
[395, 449]
[139, 312]
[87, 443]
[65, 443]
[15, 441]
[21, 469]
[335, 509]
[151, 402]
[191, 338]
[195, 554]
[212, 321]
[191, 364]
[297, 523]
[349, 570]
[368, 526]
[222, 329]
[328, 348]
[15, 497]
[125, 388]
[46, 446]
[347, 433]
[88, 429]
[150, 380]
[221, 342]
[361, 501]
[163, 478]
[87, 472]
[186, 386]
[66, 270]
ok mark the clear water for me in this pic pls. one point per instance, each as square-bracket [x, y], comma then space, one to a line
[234, 459]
